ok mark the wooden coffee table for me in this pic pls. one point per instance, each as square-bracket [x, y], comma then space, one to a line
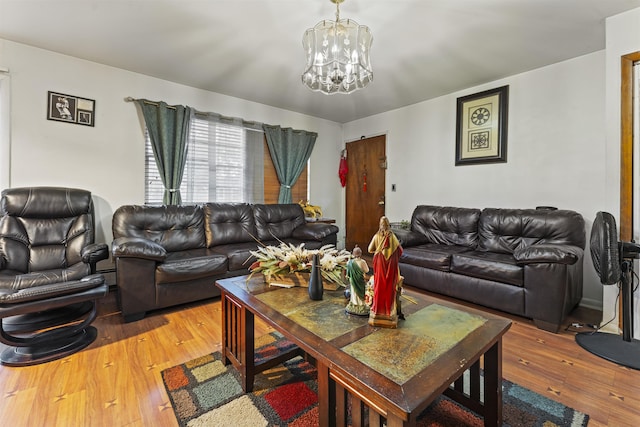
[384, 374]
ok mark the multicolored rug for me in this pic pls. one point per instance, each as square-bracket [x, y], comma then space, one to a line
[204, 392]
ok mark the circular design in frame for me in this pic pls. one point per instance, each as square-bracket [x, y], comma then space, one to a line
[480, 116]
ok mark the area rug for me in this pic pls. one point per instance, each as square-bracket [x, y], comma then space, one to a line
[204, 392]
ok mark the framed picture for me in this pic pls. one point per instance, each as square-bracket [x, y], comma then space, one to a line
[481, 127]
[70, 109]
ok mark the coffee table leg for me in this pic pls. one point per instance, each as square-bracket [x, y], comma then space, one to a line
[248, 372]
[238, 339]
[226, 329]
[326, 394]
[493, 385]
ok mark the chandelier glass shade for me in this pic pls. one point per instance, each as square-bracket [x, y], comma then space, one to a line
[337, 55]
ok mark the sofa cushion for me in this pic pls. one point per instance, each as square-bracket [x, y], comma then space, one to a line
[314, 231]
[410, 238]
[430, 255]
[175, 228]
[238, 254]
[488, 265]
[507, 230]
[447, 225]
[277, 221]
[229, 223]
[187, 265]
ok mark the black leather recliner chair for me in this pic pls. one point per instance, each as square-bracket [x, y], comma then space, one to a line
[48, 286]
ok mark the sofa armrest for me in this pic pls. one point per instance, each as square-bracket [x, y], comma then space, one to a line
[136, 247]
[548, 253]
[94, 252]
[315, 231]
[410, 238]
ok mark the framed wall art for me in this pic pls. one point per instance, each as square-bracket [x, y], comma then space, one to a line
[481, 127]
[71, 109]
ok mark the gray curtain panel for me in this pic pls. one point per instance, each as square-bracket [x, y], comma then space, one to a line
[290, 150]
[168, 127]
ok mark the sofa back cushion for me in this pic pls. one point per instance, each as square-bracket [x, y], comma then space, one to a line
[506, 230]
[227, 223]
[176, 228]
[447, 225]
[277, 221]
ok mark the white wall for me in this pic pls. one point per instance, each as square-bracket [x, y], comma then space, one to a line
[5, 125]
[556, 147]
[108, 159]
[623, 37]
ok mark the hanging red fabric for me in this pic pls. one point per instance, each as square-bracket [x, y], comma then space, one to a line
[343, 169]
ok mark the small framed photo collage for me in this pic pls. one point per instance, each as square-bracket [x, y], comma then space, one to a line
[71, 109]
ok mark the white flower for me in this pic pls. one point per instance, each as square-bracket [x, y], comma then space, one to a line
[328, 262]
[286, 258]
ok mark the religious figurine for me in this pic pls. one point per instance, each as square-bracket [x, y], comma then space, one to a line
[356, 269]
[386, 251]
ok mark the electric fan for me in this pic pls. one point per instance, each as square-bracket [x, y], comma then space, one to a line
[613, 261]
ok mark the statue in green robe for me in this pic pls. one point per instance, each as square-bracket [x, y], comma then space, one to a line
[356, 269]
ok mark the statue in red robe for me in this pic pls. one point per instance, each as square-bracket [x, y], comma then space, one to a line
[386, 251]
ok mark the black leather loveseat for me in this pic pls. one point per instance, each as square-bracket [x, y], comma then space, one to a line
[169, 255]
[527, 262]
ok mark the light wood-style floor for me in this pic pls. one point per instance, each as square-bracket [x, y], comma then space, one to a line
[116, 381]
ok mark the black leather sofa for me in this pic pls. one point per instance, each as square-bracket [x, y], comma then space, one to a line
[527, 262]
[170, 255]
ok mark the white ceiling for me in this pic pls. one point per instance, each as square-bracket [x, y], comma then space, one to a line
[252, 49]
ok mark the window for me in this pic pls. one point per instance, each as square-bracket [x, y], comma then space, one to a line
[225, 163]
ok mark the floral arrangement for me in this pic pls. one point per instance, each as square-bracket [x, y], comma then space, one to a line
[274, 261]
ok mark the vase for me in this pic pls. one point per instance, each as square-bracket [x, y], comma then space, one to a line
[315, 280]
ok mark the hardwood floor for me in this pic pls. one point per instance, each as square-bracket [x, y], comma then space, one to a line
[116, 381]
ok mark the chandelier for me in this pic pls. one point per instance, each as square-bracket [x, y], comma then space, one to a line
[337, 55]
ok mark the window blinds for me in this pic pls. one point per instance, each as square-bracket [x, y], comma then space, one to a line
[225, 163]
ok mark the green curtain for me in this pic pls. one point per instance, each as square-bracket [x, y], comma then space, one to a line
[168, 127]
[290, 150]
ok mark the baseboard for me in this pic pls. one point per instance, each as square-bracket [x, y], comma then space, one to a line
[591, 303]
